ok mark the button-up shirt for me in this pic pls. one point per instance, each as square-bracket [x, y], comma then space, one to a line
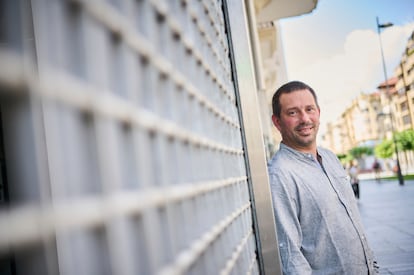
[317, 219]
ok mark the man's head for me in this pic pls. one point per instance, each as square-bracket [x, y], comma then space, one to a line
[288, 88]
[296, 115]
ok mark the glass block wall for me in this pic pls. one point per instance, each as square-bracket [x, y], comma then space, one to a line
[121, 144]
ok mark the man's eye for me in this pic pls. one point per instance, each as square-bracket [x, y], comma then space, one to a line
[292, 113]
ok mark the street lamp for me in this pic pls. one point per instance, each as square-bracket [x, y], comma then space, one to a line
[379, 27]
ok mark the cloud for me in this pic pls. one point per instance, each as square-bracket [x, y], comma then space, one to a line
[355, 68]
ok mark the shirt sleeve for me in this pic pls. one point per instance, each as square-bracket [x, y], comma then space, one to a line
[287, 210]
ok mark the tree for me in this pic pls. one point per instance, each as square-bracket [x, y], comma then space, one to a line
[358, 152]
[405, 140]
[385, 149]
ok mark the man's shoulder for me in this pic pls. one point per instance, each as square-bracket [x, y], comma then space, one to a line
[281, 161]
[283, 171]
[277, 157]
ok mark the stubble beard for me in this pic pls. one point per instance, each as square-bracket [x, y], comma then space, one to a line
[307, 140]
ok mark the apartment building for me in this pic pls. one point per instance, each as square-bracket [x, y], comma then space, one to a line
[387, 118]
[357, 125]
[404, 100]
[333, 139]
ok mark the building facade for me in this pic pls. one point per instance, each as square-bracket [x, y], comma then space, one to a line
[404, 101]
[357, 125]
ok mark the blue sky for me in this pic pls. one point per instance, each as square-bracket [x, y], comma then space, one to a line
[336, 48]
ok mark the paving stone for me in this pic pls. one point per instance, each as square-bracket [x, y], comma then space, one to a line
[387, 213]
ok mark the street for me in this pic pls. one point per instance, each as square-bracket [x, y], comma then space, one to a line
[387, 211]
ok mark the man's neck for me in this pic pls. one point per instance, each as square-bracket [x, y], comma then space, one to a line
[307, 150]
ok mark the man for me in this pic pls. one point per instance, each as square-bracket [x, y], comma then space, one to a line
[377, 170]
[318, 224]
[353, 174]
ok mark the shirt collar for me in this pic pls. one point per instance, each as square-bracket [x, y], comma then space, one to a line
[294, 151]
[297, 153]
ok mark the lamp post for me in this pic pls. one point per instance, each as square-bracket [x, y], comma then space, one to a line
[379, 27]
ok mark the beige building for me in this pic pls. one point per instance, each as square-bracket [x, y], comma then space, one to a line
[388, 114]
[333, 139]
[357, 125]
[404, 99]
[398, 99]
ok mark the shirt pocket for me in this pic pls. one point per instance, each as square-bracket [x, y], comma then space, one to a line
[342, 181]
[340, 175]
[344, 185]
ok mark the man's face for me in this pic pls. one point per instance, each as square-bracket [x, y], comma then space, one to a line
[299, 120]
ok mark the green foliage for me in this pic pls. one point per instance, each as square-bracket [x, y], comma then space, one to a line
[341, 156]
[385, 149]
[405, 140]
[358, 152]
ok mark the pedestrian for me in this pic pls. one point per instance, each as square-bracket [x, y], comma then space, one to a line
[353, 172]
[377, 170]
[318, 224]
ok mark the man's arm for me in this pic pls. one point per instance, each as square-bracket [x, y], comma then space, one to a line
[286, 209]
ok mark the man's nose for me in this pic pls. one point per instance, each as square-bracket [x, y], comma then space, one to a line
[304, 116]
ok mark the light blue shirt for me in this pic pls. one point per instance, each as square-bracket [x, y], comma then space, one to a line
[318, 223]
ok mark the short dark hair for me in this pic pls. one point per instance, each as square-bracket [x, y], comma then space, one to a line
[287, 88]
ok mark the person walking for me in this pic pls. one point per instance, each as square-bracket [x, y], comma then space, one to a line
[318, 224]
[377, 170]
[353, 175]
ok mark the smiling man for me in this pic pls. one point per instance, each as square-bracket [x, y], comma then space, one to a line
[318, 224]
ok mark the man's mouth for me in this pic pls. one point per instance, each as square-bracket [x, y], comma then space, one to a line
[305, 129]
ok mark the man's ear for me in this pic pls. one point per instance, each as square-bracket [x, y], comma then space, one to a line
[276, 122]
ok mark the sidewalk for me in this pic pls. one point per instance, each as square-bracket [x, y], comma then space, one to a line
[387, 211]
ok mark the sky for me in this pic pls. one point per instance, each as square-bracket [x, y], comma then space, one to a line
[336, 48]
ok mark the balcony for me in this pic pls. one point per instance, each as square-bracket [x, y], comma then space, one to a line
[272, 10]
